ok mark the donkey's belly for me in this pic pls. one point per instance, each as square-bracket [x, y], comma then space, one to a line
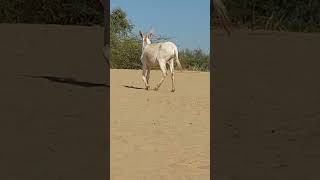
[152, 62]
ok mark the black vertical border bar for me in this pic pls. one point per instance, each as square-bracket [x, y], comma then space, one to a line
[106, 43]
[212, 93]
[212, 88]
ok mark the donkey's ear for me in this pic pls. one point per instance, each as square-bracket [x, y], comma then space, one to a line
[150, 35]
[141, 34]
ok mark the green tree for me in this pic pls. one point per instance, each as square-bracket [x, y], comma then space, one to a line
[125, 50]
[119, 23]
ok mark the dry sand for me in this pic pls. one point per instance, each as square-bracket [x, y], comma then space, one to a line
[53, 102]
[160, 135]
[266, 99]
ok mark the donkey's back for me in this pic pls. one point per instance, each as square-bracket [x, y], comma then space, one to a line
[153, 53]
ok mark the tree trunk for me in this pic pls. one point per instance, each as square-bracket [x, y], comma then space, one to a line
[220, 11]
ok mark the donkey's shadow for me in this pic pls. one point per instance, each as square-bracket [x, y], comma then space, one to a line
[132, 87]
[70, 81]
[139, 88]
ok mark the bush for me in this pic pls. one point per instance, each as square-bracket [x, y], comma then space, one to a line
[125, 52]
[293, 15]
[195, 60]
[75, 12]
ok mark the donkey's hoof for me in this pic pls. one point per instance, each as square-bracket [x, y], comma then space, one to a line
[156, 89]
[147, 88]
[173, 90]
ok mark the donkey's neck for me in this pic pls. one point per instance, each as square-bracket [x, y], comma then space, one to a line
[144, 45]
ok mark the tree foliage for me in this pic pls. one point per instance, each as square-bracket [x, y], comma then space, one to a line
[288, 15]
[119, 23]
[125, 50]
[76, 12]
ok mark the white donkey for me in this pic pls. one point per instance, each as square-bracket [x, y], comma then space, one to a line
[158, 54]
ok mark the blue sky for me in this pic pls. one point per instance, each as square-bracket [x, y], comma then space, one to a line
[186, 21]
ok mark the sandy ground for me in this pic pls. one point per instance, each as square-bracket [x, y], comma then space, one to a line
[266, 99]
[53, 102]
[160, 134]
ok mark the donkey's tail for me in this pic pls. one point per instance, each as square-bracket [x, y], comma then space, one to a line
[177, 59]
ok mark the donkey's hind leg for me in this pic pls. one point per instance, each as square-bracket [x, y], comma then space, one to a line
[172, 74]
[148, 74]
[144, 77]
[164, 74]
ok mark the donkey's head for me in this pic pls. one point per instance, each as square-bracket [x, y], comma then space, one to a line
[145, 38]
